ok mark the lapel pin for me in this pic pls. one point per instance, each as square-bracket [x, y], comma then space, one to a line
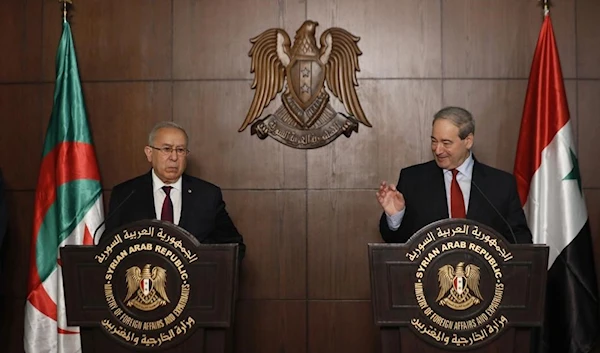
[189, 191]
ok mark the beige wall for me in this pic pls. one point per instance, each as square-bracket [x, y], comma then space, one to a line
[306, 215]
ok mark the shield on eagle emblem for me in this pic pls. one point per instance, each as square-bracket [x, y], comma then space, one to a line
[459, 284]
[146, 286]
[305, 80]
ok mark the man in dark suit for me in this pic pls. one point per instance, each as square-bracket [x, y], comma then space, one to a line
[166, 193]
[453, 185]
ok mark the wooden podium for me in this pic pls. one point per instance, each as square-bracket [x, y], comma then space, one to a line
[151, 286]
[458, 285]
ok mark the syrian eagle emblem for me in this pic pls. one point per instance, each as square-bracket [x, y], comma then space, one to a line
[306, 118]
[146, 289]
[459, 288]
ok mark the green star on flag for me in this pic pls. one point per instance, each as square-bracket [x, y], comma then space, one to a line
[574, 173]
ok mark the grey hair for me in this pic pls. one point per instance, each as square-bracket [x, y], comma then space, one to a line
[162, 125]
[460, 117]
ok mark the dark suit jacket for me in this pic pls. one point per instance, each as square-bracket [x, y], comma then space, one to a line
[203, 210]
[3, 212]
[3, 231]
[425, 194]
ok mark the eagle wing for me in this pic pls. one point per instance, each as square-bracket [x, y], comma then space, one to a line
[339, 54]
[159, 280]
[445, 277]
[472, 274]
[270, 54]
[133, 277]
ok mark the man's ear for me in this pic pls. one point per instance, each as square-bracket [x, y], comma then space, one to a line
[148, 153]
[469, 141]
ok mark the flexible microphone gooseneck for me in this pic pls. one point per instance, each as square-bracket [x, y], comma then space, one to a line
[109, 216]
[495, 209]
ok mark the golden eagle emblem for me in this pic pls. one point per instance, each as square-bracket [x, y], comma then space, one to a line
[306, 119]
[462, 286]
[148, 286]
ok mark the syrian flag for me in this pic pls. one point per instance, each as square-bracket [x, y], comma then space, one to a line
[68, 207]
[547, 173]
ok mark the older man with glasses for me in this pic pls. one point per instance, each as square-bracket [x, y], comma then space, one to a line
[168, 194]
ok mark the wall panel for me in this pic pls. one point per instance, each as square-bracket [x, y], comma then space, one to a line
[306, 215]
[486, 38]
[114, 40]
[398, 38]
[21, 37]
[275, 263]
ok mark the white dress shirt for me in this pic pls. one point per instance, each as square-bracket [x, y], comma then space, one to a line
[160, 195]
[464, 176]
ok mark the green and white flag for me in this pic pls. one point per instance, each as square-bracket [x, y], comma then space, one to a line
[68, 208]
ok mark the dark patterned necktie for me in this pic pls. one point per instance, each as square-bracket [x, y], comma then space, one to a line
[167, 207]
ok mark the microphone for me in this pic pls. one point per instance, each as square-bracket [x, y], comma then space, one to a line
[110, 215]
[495, 209]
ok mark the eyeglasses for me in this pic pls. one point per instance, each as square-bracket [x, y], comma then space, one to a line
[167, 150]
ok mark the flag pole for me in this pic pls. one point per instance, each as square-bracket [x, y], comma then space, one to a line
[65, 8]
[546, 6]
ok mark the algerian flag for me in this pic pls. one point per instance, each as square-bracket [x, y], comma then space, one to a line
[68, 207]
[549, 183]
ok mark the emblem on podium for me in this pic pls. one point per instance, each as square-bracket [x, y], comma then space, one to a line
[148, 287]
[462, 286]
